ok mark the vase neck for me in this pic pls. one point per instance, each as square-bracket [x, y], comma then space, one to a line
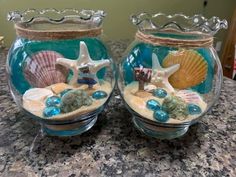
[58, 34]
[49, 24]
[171, 39]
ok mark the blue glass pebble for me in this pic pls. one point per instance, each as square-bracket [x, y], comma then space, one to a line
[53, 101]
[64, 92]
[161, 116]
[153, 105]
[160, 93]
[194, 109]
[99, 95]
[51, 111]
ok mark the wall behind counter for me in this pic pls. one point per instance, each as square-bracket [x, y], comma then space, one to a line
[117, 24]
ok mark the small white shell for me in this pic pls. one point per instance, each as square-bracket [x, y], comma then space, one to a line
[149, 87]
[37, 94]
[34, 100]
[35, 107]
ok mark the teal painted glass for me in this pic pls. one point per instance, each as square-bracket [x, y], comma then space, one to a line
[177, 36]
[24, 48]
[141, 55]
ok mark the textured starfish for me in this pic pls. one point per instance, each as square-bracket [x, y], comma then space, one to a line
[160, 75]
[83, 61]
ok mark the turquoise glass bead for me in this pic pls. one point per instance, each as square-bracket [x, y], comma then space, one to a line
[64, 92]
[99, 95]
[161, 116]
[53, 101]
[160, 93]
[194, 109]
[153, 105]
[51, 111]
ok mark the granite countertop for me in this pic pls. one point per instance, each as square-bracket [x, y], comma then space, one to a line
[113, 147]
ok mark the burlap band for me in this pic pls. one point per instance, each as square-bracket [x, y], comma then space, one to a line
[55, 34]
[206, 41]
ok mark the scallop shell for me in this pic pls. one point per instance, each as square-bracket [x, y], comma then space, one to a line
[41, 70]
[189, 96]
[192, 71]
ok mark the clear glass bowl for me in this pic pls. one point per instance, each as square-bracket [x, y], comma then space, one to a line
[59, 70]
[170, 75]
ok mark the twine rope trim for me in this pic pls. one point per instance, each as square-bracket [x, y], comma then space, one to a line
[56, 34]
[171, 42]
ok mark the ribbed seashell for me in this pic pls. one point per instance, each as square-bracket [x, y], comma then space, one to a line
[37, 94]
[192, 71]
[34, 100]
[189, 96]
[41, 70]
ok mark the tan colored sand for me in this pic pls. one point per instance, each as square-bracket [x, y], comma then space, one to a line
[138, 104]
[37, 108]
[59, 87]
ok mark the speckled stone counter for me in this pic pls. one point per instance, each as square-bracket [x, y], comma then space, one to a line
[114, 147]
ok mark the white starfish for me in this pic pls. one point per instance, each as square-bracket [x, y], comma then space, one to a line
[84, 60]
[160, 75]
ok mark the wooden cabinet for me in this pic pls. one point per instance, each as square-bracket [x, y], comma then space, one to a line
[229, 48]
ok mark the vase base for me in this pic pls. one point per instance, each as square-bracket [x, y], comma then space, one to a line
[159, 132]
[69, 129]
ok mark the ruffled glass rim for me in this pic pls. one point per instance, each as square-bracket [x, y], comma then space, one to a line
[55, 16]
[48, 24]
[196, 24]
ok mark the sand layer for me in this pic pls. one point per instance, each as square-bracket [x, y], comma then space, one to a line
[137, 101]
[37, 107]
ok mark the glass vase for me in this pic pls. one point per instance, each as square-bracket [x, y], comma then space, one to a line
[59, 69]
[170, 75]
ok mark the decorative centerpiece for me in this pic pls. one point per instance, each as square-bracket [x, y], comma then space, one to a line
[59, 70]
[170, 74]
